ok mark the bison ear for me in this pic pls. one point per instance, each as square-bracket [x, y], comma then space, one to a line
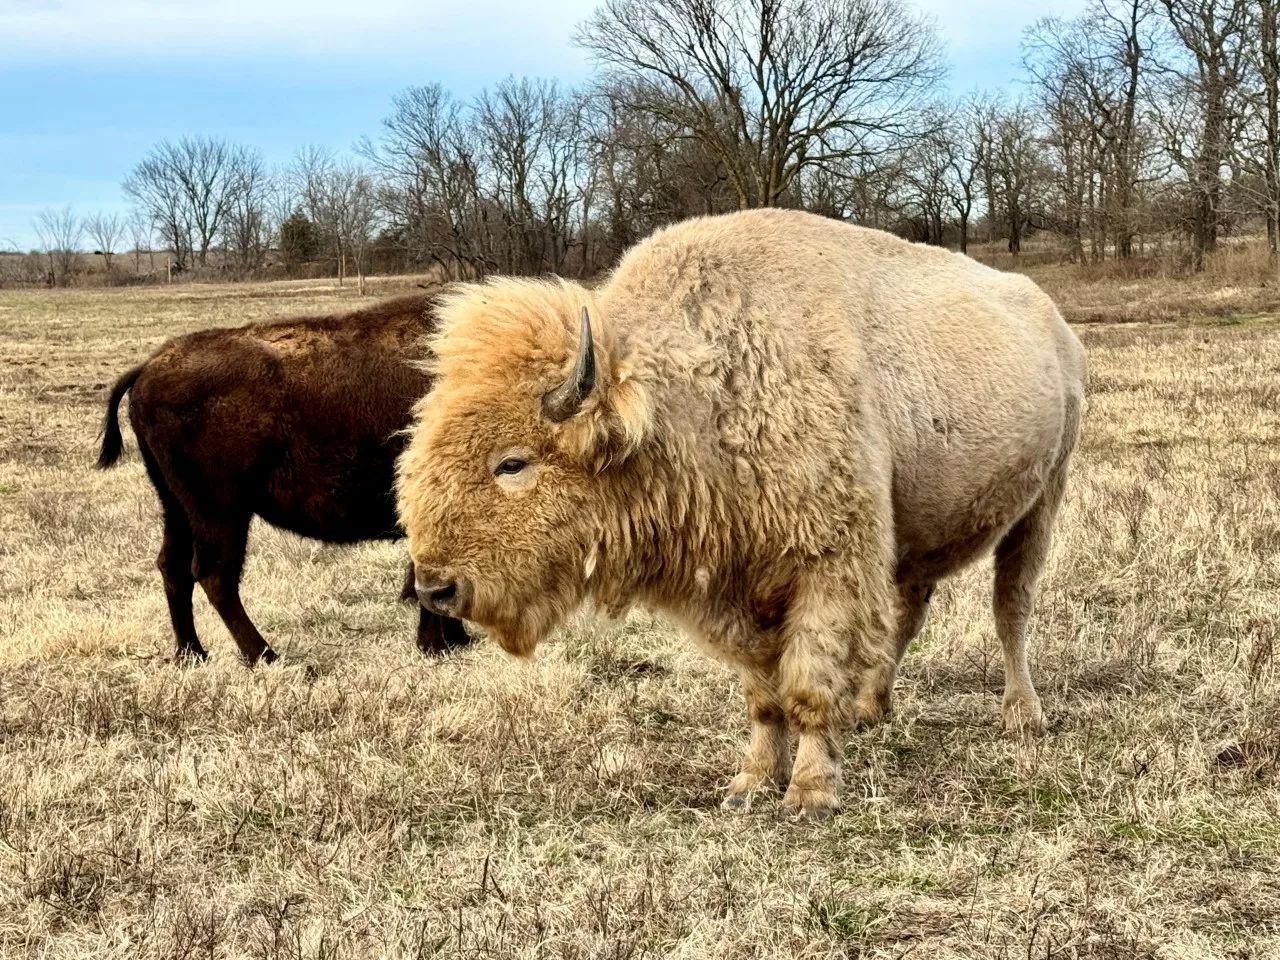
[631, 417]
[564, 401]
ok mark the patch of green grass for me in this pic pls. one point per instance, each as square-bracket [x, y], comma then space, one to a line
[1135, 832]
[845, 921]
[908, 880]
[656, 717]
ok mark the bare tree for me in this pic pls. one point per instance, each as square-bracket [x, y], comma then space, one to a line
[964, 155]
[360, 218]
[11, 262]
[187, 187]
[341, 200]
[248, 225]
[649, 171]
[531, 158]
[941, 172]
[59, 232]
[1011, 164]
[312, 168]
[1202, 115]
[771, 87]
[1088, 72]
[1060, 60]
[280, 197]
[141, 234]
[1122, 21]
[427, 159]
[1263, 152]
[105, 230]
[513, 123]
[986, 119]
[159, 195]
[925, 172]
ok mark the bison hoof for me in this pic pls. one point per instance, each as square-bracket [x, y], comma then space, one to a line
[869, 711]
[268, 657]
[743, 790]
[190, 656]
[810, 804]
[1023, 715]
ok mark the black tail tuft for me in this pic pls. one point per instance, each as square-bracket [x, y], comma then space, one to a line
[112, 442]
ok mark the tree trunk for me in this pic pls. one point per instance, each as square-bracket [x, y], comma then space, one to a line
[991, 210]
[1269, 17]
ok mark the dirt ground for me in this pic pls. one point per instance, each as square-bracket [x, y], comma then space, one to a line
[359, 800]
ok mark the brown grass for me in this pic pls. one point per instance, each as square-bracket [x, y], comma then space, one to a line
[1155, 287]
[357, 800]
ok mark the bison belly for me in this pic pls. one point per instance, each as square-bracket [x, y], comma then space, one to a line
[960, 483]
[339, 494]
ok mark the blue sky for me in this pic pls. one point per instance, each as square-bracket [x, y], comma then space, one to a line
[86, 86]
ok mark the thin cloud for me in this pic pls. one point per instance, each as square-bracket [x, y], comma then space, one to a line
[38, 29]
[43, 29]
[976, 26]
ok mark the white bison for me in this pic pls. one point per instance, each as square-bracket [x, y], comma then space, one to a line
[780, 429]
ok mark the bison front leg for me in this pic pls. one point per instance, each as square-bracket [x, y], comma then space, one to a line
[837, 631]
[768, 760]
[437, 634]
[813, 714]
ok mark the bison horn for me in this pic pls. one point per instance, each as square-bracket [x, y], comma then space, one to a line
[565, 400]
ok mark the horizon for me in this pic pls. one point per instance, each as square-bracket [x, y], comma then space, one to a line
[91, 90]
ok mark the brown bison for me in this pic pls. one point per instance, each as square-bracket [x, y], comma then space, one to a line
[780, 429]
[298, 421]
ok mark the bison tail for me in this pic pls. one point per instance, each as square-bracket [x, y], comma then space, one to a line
[112, 442]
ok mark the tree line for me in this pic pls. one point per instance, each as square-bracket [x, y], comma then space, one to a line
[1138, 123]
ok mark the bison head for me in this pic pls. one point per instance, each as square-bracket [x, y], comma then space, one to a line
[504, 489]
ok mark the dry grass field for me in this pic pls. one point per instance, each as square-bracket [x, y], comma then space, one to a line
[358, 800]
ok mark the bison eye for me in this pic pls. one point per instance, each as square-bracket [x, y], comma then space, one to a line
[509, 466]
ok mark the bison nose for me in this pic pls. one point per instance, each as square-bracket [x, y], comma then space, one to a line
[436, 594]
[446, 597]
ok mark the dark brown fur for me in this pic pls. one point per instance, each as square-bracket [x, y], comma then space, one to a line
[298, 421]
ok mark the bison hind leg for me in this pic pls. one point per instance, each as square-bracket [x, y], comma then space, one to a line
[1019, 561]
[219, 560]
[174, 563]
[875, 695]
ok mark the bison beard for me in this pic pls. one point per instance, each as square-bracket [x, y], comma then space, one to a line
[792, 429]
[297, 421]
